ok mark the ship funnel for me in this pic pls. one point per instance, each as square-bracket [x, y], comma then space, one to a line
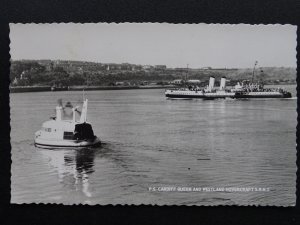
[223, 83]
[211, 83]
[74, 115]
[58, 113]
[84, 112]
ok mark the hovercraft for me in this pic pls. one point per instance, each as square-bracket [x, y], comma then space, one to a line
[67, 133]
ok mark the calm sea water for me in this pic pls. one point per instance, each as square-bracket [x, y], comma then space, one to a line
[149, 141]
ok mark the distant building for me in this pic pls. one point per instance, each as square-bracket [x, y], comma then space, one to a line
[23, 76]
[206, 68]
[144, 83]
[15, 81]
[147, 67]
[119, 83]
[178, 81]
[181, 69]
[160, 67]
[122, 83]
[193, 81]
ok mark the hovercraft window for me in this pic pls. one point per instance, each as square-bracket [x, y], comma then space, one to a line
[68, 135]
[47, 129]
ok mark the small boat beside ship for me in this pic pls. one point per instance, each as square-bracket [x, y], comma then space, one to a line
[251, 90]
[67, 133]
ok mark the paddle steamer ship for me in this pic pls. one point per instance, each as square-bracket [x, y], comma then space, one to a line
[243, 89]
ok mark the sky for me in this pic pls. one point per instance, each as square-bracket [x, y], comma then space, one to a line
[174, 45]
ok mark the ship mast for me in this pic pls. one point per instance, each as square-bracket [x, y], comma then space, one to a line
[253, 71]
[186, 74]
[84, 112]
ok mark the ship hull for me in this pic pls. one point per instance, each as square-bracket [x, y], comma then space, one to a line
[56, 144]
[263, 95]
[204, 96]
[183, 94]
[211, 96]
[179, 96]
[223, 95]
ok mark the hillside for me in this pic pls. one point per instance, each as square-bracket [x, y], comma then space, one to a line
[70, 73]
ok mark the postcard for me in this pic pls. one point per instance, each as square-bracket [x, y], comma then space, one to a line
[153, 113]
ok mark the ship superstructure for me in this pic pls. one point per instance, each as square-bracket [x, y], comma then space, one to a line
[208, 92]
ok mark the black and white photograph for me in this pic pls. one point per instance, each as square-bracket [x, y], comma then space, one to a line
[153, 114]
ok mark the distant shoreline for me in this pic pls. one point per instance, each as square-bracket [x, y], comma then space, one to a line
[23, 89]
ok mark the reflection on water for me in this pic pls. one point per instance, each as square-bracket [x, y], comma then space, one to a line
[72, 166]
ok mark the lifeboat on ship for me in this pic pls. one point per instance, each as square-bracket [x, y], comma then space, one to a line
[67, 133]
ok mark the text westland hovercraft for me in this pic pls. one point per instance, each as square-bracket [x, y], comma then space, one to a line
[67, 133]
